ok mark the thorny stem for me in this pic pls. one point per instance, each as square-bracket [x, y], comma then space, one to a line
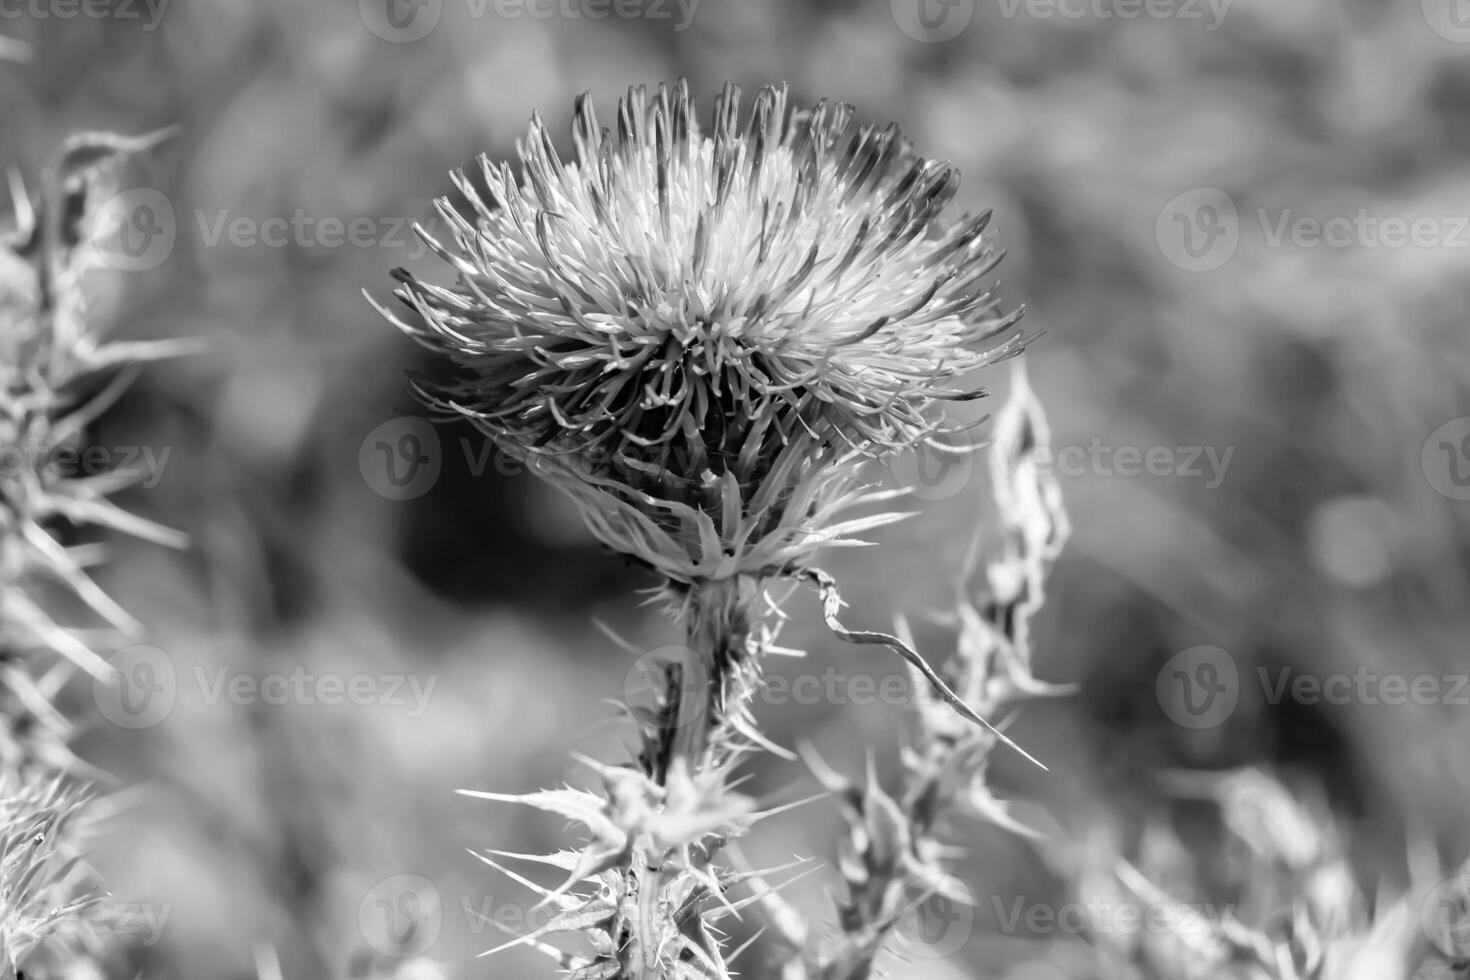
[713, 686]
[704, 695]
[645, 965]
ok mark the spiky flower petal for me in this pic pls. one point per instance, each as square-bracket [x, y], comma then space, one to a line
[677, 323]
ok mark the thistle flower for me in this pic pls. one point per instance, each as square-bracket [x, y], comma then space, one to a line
[685, 330]
[699, 338]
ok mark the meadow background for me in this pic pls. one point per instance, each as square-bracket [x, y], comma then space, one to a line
[1326, 379]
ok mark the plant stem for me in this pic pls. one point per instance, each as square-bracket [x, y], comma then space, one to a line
[719, 673]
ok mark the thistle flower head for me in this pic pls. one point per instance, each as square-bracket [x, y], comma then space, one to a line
[688, 316]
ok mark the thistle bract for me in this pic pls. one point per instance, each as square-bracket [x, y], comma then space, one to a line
[685, 330]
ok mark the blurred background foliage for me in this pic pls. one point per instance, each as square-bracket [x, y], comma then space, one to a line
[1325, 370]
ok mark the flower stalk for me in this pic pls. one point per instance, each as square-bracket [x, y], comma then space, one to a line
[700, 337]
[721, 674]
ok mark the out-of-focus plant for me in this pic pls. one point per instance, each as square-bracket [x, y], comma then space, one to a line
[892, 857]
[1280, 900]
[56, 378]
[700, 338]
[46, 899]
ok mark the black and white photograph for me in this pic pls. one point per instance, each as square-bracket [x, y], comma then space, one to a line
[734, 489]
